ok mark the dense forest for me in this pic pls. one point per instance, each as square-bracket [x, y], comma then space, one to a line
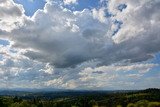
[142, 98]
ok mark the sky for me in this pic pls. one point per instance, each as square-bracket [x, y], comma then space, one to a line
[80, 44]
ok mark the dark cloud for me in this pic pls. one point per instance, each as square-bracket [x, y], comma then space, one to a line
[54, 40]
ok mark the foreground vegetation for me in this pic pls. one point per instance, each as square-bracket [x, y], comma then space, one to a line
[145, 98]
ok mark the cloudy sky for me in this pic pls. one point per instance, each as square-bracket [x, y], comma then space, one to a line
[80, 44]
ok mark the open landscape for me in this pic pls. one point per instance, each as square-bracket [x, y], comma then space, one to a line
[68, 98]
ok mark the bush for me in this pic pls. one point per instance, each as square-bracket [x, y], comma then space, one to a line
[130, 105]
[14, 104]
[24, 104]
[142, 103]
[154, 104]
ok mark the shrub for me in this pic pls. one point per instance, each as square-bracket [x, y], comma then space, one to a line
[154, 104]
[130, 105]
[142, 103]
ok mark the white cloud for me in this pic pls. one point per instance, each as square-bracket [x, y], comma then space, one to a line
[67, 2]
[48, 69]
[71, 84]
[10, 15]
[100, 14]
[138, 19]
[55, 82]
[106, 76]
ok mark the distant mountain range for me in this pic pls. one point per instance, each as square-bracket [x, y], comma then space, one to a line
[57, 93]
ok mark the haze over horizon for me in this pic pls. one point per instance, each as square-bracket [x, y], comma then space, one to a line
[80, 44]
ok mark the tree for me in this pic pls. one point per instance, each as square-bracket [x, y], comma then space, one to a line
[16, 99]
[24, 104]
[92, 103]
[1, 103]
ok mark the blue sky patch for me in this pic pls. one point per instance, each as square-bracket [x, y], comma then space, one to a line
[82, 4]
[4, 42]
[31, 7]
[118, 24]
[121, 7]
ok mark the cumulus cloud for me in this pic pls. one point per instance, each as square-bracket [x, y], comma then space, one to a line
[72, 38]
[138, 36]
[138, 19]
[10, 15]
[68, 40]
[99, 14]
[67, 2]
